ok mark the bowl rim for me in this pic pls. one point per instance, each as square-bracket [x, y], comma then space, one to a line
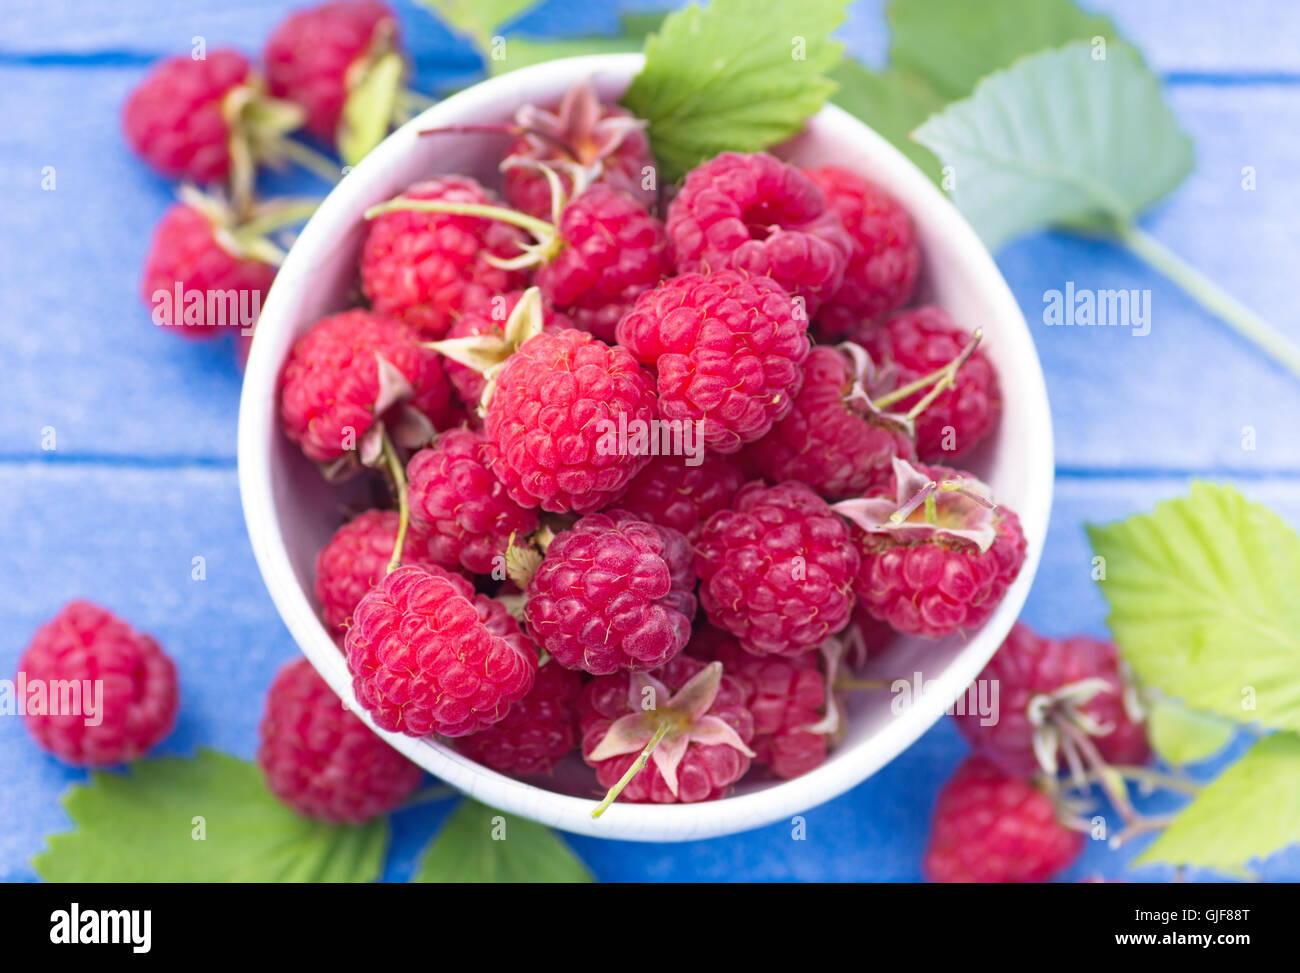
[258, 426]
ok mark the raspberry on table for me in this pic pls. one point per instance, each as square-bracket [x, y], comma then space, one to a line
[916, 343]
[538, 732]
[757, 214]
[317, 56]
[884, 256]
[991, 827]
[727, 350]
[346, 372]
[489, 319]
[613, 592]
[777, 569]
[553, 421]
[427, 268]
[460, 513]
[321, 760]
[428, 655]
[122, 679]
[673, 494]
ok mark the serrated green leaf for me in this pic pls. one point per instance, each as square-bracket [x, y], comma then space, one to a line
[1250, 811]
[520, 51]
[641, 23]
[1185, 736]
[739, 75]
[480, 844]
[368, 112]
[1060, 139]
[141, 826]
[893, 104]
[1203, 604]
[479, 20]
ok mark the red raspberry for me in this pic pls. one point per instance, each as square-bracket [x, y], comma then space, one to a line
[349, 369]
[673, 494]
[603, 141]
[701, 757]
[916, 343]
[989, 827]
[539, 731]
[93, 668]
[489, 318]
[884, 258]
[756, 214]
[832, 440]
[177, 118]
[426, 268]
[192, 253]
[459, 511]
[613, 252]
[1029, 669]
[321, 760]
[317, 56]
[777, 569]
[429, 656]
[613, 592]
[934, 574]
[787, 698]
[355, 560]
[554, 418]
[726, 349]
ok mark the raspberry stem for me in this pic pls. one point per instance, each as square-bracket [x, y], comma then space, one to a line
[398, 474]
[637, 766]
[309, 159]
[540, 229]
[948, 372]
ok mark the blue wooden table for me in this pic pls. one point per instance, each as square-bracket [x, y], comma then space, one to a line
[142, 478]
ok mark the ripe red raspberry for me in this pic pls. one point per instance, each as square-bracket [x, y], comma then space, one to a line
[321, 760]
[705, 750]
[884, 258]
[989, 827]
[460, 512]
[787, 698]
[601, 140]
[178, 118]
[673, 494]
[429, 656]
[833, 440]
[1038, 682]
[348, 370]
[539, 731]
[613, 592]
[355, 560]
[913, 344]
[554, 418]
[727, 350]
[613, 252]
[755, 213]
[935, 571]
[777, 569]
[96, 692]
[489, 319]
[192, 254]
[317, 56]
[427, 268]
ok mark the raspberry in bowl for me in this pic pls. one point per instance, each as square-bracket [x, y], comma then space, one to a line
[718, 770]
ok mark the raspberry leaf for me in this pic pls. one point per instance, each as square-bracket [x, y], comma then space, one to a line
[480, 844]
[739, 75]
[206, 819]
[1251, 810]
[893, 102]
[1185, 736]
[1202, 593]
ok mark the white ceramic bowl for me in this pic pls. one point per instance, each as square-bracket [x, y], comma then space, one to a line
[291, 512]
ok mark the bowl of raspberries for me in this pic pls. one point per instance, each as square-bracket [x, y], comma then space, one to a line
[647, 511]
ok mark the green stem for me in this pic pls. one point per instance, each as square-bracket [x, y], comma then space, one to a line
[1209, 295]
[398, 473]
[538, 228]
[277, 217]
[311, 160]
[637, 766]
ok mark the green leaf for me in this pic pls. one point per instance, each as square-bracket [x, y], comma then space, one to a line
[521, 51]
[1204, 606]
[368, 112]
[479, 20]
[1250, 811]
[739, 75]
[479, 844]
[892, 103]
[1060, 139]
[206, 819]
[1185, 736]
